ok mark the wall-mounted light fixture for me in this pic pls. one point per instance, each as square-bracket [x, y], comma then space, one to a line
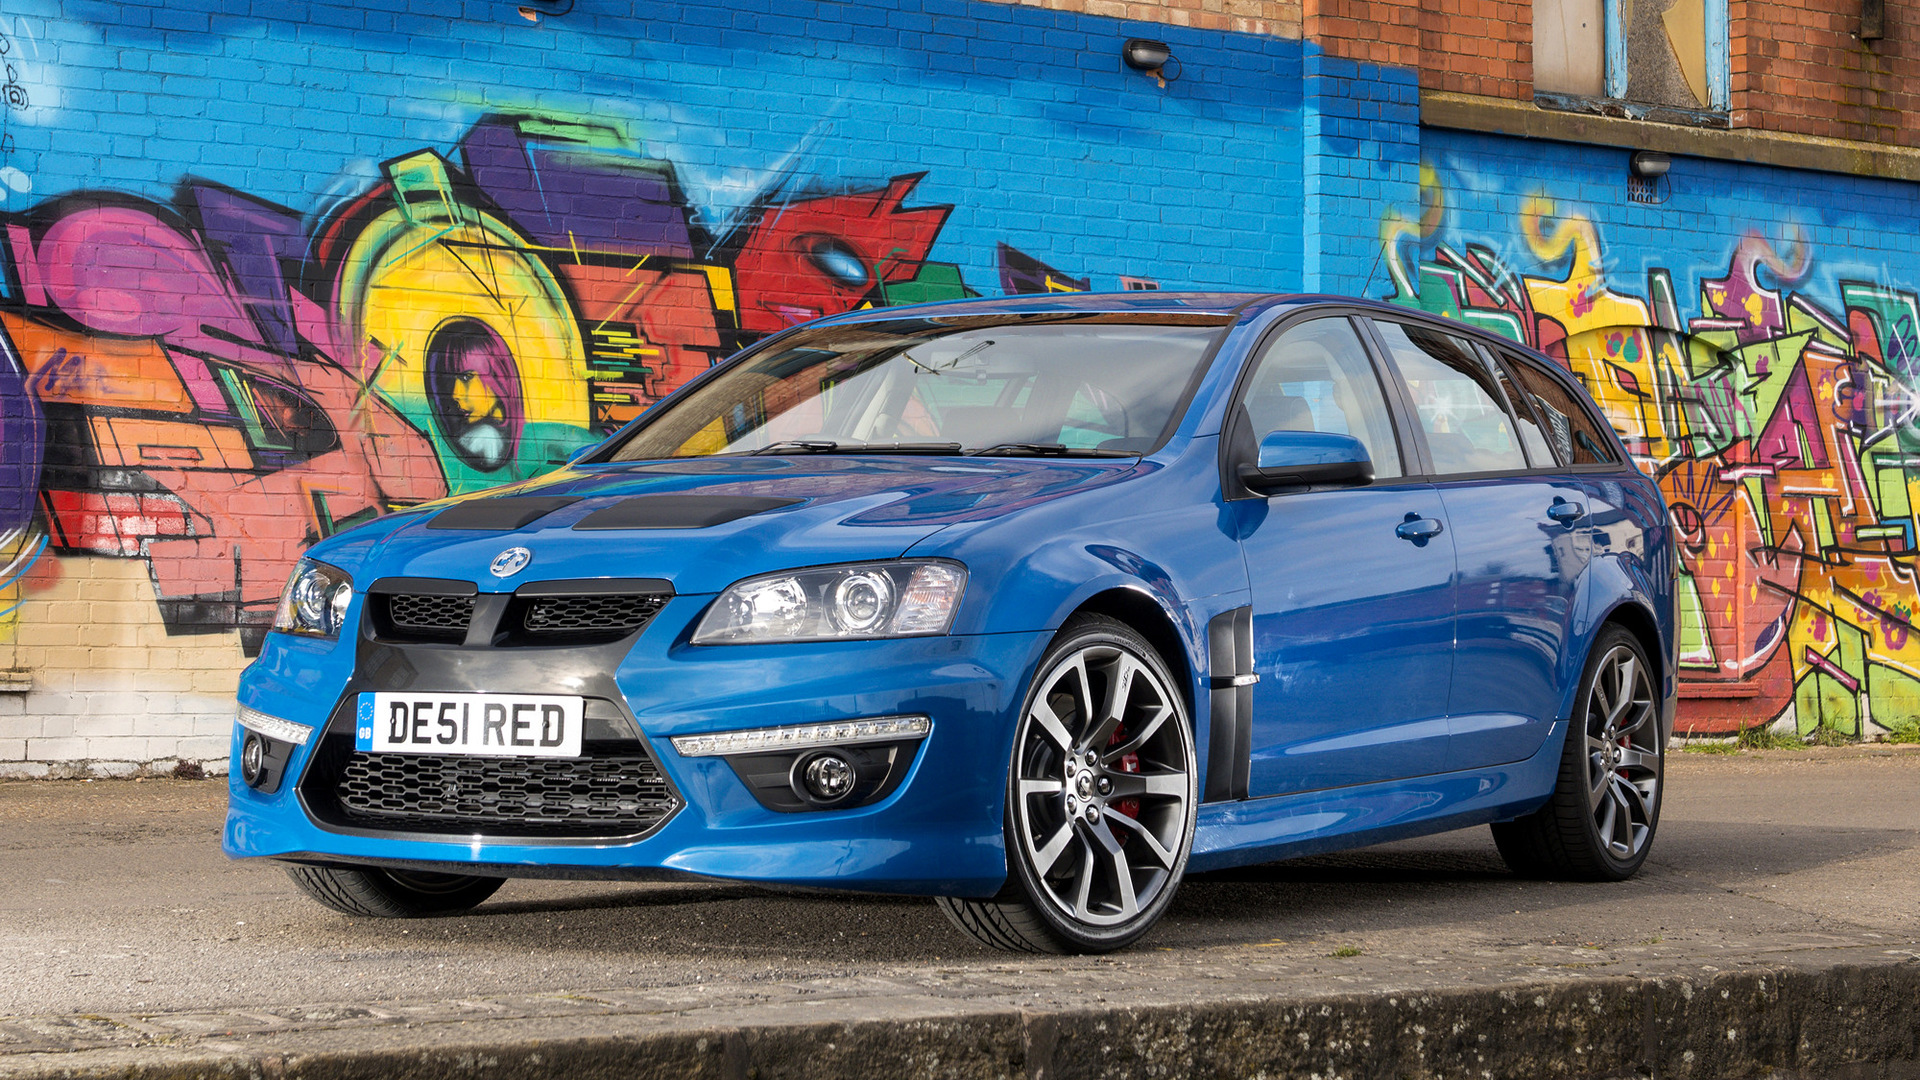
[1152, 57]
[1649, 164]
[1647, 177]
[549, 8]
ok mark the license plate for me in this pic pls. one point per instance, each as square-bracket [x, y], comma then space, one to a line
[498, 725]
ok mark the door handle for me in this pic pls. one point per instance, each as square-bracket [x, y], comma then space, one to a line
[1418, 529]
[1565, 512]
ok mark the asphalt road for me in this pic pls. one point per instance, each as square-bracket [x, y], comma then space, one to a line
[115, 898]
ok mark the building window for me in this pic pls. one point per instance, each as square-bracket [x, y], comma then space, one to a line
[1646, 55]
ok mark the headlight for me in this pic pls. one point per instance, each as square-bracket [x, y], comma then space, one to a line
[907, 598]
[315, 601]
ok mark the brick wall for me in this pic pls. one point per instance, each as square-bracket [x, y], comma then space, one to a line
[1379, 32]
[223, 335]
[1477, 47]
[220, 326]
[1464, 46]
[1751, 333]
[1799, 67]
[1279, 17]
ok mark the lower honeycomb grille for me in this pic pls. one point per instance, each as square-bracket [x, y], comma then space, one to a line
[618, 794]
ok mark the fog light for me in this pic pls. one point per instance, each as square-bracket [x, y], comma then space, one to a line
[827, 778]
[253, 759]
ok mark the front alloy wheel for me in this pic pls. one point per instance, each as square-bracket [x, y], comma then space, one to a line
[1601, 819]
[1100, 803]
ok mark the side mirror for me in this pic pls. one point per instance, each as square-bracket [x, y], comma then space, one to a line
[1299, 458]
[582, 452]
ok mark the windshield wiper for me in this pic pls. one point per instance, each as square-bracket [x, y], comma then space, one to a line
[1044, 449]
[828, 446]
[798, 446]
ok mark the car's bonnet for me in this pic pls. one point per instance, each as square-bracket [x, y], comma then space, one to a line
[705, 523]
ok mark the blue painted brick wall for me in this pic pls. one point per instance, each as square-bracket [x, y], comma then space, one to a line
[1025, 120]
[1360, 151]
[1773, 395]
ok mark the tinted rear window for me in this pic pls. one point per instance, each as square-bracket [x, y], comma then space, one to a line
[1575, 436]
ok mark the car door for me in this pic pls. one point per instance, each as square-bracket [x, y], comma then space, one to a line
[1515, 517]
[1351, 586]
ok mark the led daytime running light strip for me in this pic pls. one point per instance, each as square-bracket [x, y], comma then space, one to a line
[273, 727]
[801, 736]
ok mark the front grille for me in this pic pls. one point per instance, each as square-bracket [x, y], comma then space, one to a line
[618, 615]
[430, 614]
[619, 794]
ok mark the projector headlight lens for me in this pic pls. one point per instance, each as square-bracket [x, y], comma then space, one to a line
[902, 598]
[314, 603]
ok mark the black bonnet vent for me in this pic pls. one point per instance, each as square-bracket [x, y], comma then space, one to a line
[500, 515]
[679, 511]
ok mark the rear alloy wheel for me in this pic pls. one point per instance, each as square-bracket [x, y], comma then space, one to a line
[1100, 803]
[393, 894]
[1600, 822]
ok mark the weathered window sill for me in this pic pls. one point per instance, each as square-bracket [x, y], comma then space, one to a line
[1631, 110]
[1527, 120]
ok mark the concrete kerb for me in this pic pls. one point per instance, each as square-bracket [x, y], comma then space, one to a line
[1849, 1022]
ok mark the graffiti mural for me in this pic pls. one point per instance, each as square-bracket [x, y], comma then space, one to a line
[214, 383]
[1781, 425]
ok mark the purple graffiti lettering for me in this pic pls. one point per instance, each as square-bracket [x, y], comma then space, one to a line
[254, 239]
[122, 270]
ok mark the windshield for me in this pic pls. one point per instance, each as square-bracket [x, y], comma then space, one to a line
[1080, 385]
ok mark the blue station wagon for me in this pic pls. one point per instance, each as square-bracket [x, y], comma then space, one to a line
[1031, 605]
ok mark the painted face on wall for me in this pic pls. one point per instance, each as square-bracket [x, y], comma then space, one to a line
[475, 392]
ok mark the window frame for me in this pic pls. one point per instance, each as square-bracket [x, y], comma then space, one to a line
[1614, 73]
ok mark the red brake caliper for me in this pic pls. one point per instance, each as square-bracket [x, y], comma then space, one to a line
[1128, 763]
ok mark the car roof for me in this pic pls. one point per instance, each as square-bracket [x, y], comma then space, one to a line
[1133, 302]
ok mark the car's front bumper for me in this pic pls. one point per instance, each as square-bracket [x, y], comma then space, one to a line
[938, 832]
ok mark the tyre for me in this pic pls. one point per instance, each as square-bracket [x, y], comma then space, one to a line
[392, 894]
[1101, 799]
[1599, 824]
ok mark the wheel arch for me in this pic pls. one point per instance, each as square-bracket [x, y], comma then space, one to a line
[1146, 615]
[1639, 622]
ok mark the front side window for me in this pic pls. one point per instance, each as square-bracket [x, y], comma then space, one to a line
[1467, 426]
[1086, 385]
[1316, 377]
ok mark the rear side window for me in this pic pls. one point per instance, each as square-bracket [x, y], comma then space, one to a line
[1531, 436]
[1569, 425]
[1459, 406]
